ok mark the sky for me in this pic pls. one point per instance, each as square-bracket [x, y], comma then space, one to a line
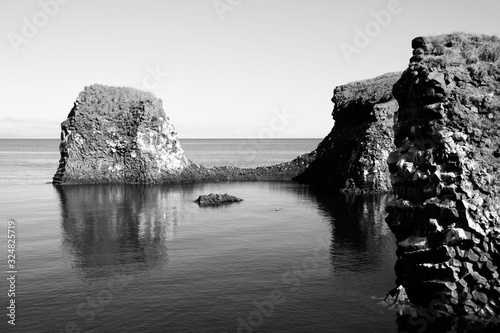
[223, 68]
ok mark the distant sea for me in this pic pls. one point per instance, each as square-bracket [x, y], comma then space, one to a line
[145, 258]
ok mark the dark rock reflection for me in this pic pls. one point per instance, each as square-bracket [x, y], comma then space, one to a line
[359, 232]
[425, 321]
[108, 227]
[111, 230]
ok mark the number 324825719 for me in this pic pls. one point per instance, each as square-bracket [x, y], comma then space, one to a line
[11, 246]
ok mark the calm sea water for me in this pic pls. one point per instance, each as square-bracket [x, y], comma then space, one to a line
[131, 258]
[35, 161]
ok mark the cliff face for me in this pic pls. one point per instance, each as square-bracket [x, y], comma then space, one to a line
[122, 135]
[361, 139]
[117, 135]
[445, 172]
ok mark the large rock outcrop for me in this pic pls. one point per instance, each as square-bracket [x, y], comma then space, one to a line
[361, 139]
[118, 135]
[122, 135]
[445, 173]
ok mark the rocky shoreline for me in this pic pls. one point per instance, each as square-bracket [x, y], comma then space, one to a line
[429, 134]
[118, 135]
[445, 173]
[122, 135]
[361, 139]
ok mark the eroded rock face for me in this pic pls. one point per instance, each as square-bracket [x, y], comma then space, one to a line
[121, 135]
[445, 172]
[361, 139]
[118, 135]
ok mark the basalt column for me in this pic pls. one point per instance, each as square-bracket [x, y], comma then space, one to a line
[445, 173]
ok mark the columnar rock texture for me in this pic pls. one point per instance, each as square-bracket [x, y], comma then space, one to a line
[445, 173]
[361, 139]
[118, 135]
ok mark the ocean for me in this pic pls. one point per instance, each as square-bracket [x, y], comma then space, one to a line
[145, 258]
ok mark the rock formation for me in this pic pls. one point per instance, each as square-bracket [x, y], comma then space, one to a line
[118, 135]
[445, 173]
[282, 171]
[213, 199]
[361, 139]
[122, 135]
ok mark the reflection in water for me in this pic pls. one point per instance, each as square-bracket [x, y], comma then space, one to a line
[109, 229]
[358, 225]
[113, 226]
[119, 225]
[428, 322]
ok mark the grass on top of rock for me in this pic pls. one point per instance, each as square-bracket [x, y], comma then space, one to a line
[100, 100]
[114, 96]
[479, 53]
[469, 47]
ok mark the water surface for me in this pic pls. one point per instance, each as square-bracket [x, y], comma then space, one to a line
[129, 258]
[145, 258]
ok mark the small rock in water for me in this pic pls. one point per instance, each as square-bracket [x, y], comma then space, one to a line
[216, 199]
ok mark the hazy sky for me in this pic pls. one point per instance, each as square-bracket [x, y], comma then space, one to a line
[223, 68]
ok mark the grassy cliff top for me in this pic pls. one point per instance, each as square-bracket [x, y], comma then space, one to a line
[98, 92]
[466, 46]
[102, 99]
[477, 52]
